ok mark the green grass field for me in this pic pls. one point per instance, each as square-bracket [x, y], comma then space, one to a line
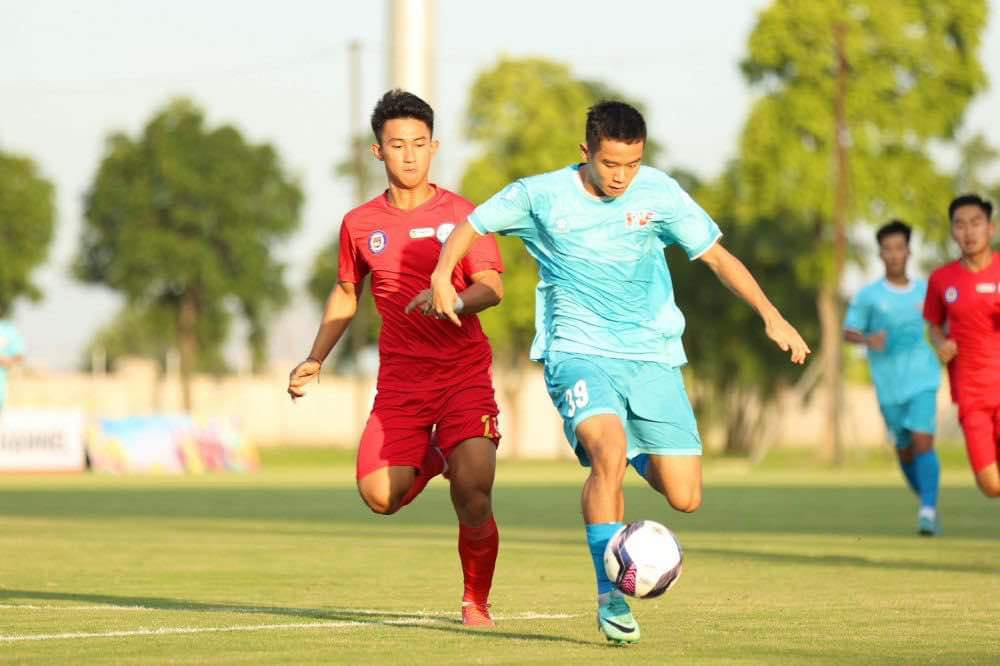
[785, 563]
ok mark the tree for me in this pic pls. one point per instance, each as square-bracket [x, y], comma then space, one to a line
[853, 93]
[366, 174]
[738, 370]
[182, 221]
[526, 116]
[27, 222]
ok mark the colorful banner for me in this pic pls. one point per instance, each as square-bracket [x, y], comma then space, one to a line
[168, 445]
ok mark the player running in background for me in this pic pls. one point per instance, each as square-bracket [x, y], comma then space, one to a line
[434, 410]
[607, 327]
[11, 353]
[886, 317]
[963, 309]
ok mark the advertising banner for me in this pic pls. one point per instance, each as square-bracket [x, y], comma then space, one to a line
[41, 441]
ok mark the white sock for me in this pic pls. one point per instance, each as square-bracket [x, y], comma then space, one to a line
[927, 512]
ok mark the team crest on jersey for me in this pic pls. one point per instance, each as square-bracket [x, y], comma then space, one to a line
[638, 220]
[562, 225]
[377, 242]
[951, 294]
[444, 230]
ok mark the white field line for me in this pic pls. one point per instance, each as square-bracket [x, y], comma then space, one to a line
[422, 618]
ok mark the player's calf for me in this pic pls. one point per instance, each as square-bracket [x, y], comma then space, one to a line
[678, 478]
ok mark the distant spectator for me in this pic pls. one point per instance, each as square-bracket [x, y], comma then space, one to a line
[11, 350]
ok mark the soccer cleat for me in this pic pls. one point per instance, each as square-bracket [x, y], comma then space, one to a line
[927, 524]
[476, 615]
[615, 621]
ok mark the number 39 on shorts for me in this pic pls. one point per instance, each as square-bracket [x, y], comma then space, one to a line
[576, 398]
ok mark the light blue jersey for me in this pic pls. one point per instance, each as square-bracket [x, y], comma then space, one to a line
[907, 366]
[11, 344]
[604, 288]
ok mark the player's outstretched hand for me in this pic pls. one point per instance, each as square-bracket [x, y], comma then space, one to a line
[788, 339]
[947, 350]
[301, 375]
[422, 301]
[444, 298]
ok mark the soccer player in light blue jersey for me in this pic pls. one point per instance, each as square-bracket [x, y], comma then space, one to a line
[607, 327]
[11, 353]
[887, 318]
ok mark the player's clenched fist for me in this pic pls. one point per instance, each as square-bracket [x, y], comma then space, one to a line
[443, 298]
[301, 375]
[947, 350]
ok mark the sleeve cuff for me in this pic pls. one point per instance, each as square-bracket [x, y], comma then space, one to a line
[705, 248]
[477, 226]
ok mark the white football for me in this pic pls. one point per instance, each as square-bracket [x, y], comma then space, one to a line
[643, 559]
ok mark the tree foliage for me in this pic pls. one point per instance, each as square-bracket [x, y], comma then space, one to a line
[910, 70]
[27, 223]
[182, 221]
[737, 370]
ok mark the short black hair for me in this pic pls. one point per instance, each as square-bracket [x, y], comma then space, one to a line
[400, 104]
[894, 227]
[970, 200]
[614, 120]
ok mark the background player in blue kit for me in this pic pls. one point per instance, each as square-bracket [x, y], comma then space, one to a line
[607, 327]
[887, 317]
[11, 353]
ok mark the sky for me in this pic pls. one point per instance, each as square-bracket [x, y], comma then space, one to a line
[71, 73]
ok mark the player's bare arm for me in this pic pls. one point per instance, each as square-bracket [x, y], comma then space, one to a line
[442, 291]
[874, 341]
[945, 347]
[341, 305]
[485, 291]
[732, 273]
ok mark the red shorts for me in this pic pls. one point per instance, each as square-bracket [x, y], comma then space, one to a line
[399, 428]
[981, 426]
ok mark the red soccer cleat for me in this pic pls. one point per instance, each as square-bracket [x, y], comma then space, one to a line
[476, 615]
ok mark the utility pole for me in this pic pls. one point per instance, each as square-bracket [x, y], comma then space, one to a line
[361, 175]
[830, 310]
[411, 38]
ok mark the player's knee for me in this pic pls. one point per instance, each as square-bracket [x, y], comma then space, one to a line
[380, 502]
[474, 508]
[990, 488]
[688, 504]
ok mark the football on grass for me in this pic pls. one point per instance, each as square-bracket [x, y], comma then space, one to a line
[643, 559]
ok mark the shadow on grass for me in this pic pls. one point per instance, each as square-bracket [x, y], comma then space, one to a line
[819, 510]
[430, 621]
[847, 560]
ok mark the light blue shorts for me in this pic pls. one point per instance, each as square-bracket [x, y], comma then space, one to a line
[918, 414]
[647, 396]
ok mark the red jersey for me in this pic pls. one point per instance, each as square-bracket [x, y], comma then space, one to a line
[969, 305]
[400, 249]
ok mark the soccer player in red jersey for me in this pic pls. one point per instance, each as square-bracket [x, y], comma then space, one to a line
[963, 309]
[434, 410]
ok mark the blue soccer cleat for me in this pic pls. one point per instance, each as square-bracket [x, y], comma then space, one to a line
[927, 524]
[615, 621]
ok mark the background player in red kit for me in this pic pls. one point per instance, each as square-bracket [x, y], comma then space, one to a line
[963, 309]
[433, 377]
